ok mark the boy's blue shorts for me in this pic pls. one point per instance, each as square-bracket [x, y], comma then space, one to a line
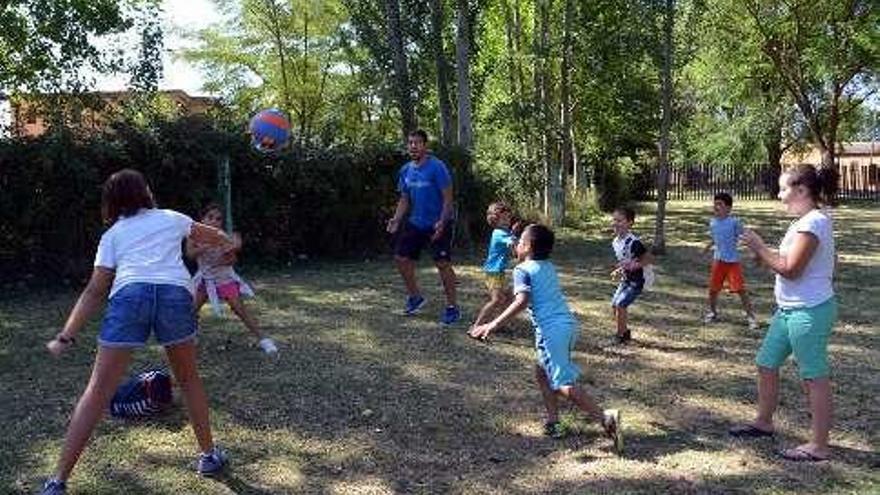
[626, 294]
[554, 349]
[140, 308]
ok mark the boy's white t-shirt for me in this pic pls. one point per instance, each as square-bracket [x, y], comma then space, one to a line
[813, 286]
[146, 248]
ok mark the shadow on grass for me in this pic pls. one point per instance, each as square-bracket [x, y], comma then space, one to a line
[362, 397]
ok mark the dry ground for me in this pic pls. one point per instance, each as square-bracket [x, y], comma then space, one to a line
[363, 400]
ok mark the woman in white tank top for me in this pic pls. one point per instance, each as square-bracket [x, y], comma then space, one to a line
[807, 310]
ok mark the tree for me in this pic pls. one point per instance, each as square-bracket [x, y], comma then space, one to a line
[463, 66]
[565, 67]
[447, 123]
[281, 53]
[666, 123]
[401, 71]
[824, 52]
[45, 45]
[737, 109]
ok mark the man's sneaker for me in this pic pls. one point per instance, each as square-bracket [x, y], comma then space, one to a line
[450, 315]
[413, 305]
[212, 463]
[710, 317]
[611, 423]
[268, 346]
[554, 429]
[753, 322]
[54, 487]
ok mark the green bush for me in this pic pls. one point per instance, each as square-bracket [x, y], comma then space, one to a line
[614, 181]
[329, 202]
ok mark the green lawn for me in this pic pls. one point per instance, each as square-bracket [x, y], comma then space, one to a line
[363, 400]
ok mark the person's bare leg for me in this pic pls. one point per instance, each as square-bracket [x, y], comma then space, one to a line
[183, 360]
[768, 398]
[746, 303]
[819, 396]
[621, 317]
[713, 302]
[447, 276]
[497, 298]
[583, 401]
[547, 394]
[239, 309]
[407, 269]
[110, 366]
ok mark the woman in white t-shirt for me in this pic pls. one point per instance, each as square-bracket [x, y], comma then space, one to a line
[807, 310]
[138, 267]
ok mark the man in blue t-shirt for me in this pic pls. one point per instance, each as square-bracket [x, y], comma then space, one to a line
[425, 187]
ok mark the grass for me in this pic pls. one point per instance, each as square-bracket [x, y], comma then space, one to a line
[363, 400]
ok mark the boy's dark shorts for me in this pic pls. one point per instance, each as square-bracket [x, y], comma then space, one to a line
[411, 240]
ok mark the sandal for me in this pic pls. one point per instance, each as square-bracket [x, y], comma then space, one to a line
[800, 454]
[749, 431]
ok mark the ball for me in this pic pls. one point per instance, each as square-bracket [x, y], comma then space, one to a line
[270, 131]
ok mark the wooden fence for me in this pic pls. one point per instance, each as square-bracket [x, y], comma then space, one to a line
[748, 182]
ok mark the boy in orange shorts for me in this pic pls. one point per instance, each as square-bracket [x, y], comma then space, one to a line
[725, 230]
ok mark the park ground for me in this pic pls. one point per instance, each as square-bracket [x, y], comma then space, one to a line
[363, 400]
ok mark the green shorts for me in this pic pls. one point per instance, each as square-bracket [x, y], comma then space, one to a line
[804, 332]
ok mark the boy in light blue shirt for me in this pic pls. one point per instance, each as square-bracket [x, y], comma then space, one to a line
[725, 230]
[536, 287]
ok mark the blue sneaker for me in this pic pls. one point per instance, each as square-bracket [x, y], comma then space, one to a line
[413, 305]
[54, 487]
[450, 315]
[213, 463]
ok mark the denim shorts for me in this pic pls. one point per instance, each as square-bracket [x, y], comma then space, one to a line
[138, 309]
[553, 349]
[626, 294]
[803, 332]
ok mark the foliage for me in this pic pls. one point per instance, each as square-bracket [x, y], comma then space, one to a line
[46, 44]
[316, 201]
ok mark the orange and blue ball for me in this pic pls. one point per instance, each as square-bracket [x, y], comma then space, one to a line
[270, 131]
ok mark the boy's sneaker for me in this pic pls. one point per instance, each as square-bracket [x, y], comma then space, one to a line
[553, 429]
[54, 487]
[710, 317]
[450, 315]
[623, 339]
[213, 463]
[753, 322]
[611, 423]
[268, 346]
[413, 305]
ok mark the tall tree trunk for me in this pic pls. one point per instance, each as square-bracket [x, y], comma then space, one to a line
[278, 40]
[543, 121]
[773, 147]
[447, 124]
[514, 89]
[401, 73]
[567, 164]
[663, 168]
[463, 66]
[305, 134]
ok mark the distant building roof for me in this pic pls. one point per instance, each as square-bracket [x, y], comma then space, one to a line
[859, 148]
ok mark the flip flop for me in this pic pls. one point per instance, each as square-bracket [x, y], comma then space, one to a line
[799, 454]
[749, 431]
